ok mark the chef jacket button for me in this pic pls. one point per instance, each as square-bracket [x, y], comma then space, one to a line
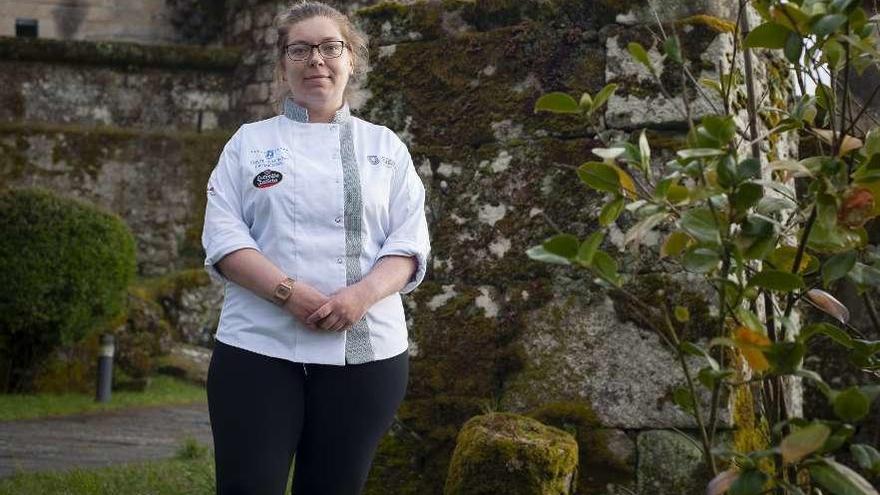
[338, 219]
[339, 260]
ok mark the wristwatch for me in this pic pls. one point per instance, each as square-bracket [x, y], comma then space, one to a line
[283, 291]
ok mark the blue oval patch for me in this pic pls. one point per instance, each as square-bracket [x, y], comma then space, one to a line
[267, 178]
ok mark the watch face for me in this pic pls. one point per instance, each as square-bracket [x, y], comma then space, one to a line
[282, 291]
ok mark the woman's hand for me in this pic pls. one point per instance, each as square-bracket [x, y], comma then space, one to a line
[342, 309]
[304, 301]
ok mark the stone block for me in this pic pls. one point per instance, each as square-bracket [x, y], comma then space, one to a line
[188, 362]
[577, 350]
[515, 455]
[670, 464]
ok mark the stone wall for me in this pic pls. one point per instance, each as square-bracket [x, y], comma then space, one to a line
[133, 128]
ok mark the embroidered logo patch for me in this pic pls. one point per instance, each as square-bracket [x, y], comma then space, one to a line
[376, 160]
[267, 178]
[274, 157]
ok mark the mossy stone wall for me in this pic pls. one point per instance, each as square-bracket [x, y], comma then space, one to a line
[154, 180]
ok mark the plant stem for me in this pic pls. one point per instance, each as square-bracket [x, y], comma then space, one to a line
[872, 310]
[698, 413]
[802, 245]
[750, 94]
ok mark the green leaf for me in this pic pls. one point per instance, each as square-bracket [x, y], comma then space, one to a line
[695, 350]
[837, 439]
[839, 479]
[589, 247]
[557, 102]
[838, 266]
[827, 329]
[605, 267]
[675, 243]
[682, 398]
[867, 456]
[794, 46]
[864, 275]
[700, 224]
[700, 260]
[726, 170]
[785, 357]
[611, 211]
[749, 168]
[682, 314]
[677, 194]
[700, 153]
[851, 404]
[770, 205]
[710, 377]
[777, 280]
[564, 245]
[803, 442]
[749, 482]
[538, 253]
[638, 52]
[645, 225]
[828, 24]
[600, 176]
[603, 95]
[672, 49]
[833, 52]
[783, 259]
[719, 129]
[767, 35]
[746, 196]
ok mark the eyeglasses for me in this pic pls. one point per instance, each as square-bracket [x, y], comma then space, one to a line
[298, 52]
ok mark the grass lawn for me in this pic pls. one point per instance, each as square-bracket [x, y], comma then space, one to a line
[163, 390]
[190, 473]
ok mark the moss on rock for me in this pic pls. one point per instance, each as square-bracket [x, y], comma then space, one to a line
[598, 464]
[119, 54]
[508, 453]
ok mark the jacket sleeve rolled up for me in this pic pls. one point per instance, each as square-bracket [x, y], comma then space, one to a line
[225, 230]
[408, 233]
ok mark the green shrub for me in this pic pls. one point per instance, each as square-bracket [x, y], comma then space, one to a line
[64, 269]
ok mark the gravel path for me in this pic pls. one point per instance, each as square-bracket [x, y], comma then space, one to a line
[94, 440]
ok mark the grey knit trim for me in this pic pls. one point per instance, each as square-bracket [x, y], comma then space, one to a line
[358, 348]
[297, 113]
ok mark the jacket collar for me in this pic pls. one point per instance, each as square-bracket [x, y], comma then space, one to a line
[297, 113]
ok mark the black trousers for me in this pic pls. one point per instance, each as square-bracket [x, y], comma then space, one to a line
[264, 410]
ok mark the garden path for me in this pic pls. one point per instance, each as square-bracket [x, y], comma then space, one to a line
[100, 439]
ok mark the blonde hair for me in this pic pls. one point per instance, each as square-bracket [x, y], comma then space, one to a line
[355, 40]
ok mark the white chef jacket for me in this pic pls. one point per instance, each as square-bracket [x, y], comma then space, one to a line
[323, 202]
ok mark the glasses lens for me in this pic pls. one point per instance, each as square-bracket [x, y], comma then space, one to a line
[298, 52]
[331, 49]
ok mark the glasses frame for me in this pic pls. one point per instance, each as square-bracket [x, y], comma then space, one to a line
[312, 49]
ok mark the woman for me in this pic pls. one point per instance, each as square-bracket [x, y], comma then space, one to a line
[315, 221]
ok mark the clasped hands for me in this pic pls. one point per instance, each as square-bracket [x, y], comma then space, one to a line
[337, 312]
